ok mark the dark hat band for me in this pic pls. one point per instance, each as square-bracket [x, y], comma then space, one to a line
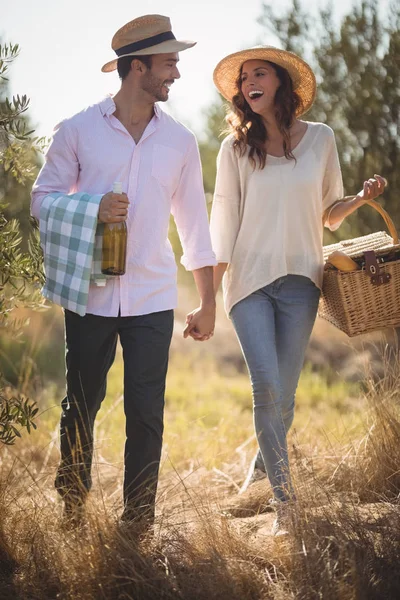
[147, 43]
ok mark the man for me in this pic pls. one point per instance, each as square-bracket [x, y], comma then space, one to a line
[127, 138]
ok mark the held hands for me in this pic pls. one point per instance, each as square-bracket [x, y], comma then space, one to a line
[372, 188]
[113, 208]
[200, 324]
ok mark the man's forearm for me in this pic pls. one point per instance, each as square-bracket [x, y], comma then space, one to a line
[201, 322]
[204, 282]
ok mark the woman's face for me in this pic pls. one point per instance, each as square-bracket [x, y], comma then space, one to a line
[259, 83]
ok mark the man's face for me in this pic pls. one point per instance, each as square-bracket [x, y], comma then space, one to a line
[157, 80]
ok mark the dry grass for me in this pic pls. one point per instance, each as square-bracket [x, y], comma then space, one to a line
[209, 542]
[345, 542]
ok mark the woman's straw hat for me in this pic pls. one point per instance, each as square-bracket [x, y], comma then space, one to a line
[227, 71]
[150, 34]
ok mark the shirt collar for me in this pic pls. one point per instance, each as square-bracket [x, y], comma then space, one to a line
[157, 111]
[107, 107]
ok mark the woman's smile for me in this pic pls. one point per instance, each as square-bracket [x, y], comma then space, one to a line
[258, 81]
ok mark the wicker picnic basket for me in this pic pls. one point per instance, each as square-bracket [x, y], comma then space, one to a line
[366, 299]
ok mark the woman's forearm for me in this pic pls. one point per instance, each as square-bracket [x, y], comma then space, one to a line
[371, 189]
[344, 209]
[219, 271]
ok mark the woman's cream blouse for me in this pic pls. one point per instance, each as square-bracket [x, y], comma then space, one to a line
[268, 223]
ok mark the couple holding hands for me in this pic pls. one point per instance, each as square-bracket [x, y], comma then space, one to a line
[278, 183]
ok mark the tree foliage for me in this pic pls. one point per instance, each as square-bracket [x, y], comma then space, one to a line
[358, 72]
[15, 411]
[20, 270]
[209, 145]
[357, 66]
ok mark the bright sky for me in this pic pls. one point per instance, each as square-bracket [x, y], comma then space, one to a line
[64, 43]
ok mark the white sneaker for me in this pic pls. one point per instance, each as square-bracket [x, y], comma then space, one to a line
[253, 475]
[279, 528]
[283, 520]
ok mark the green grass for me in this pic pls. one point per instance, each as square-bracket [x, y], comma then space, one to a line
[208, 414]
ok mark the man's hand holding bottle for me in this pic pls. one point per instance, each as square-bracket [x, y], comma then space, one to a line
[113, 208]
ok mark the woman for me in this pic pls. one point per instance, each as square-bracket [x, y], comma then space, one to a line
[278, 182]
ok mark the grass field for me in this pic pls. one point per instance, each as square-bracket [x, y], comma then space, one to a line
[210, 542]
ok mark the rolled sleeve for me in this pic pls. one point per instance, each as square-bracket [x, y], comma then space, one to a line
[190, 213]
[60, 171]
[332, 188]
[225, 216]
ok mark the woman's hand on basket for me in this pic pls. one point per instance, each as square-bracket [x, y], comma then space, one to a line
[372, 188]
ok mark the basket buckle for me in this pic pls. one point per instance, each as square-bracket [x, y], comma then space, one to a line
[373, 270]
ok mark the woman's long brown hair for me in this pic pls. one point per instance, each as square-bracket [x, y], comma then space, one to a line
[248, 127]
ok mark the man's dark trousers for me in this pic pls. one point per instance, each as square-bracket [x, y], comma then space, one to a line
[91, 344]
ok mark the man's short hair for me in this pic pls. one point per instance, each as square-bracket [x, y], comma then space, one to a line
[124, 64]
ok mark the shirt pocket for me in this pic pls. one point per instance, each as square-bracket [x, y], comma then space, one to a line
[166, 166]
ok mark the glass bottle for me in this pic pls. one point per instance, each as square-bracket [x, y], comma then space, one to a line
[114, 244]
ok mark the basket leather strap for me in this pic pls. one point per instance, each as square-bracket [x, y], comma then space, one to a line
[373, 270]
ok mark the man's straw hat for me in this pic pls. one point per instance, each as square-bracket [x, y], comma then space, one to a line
[150, 34]
[227, 71]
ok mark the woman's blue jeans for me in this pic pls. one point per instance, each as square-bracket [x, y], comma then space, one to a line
[274, 325]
